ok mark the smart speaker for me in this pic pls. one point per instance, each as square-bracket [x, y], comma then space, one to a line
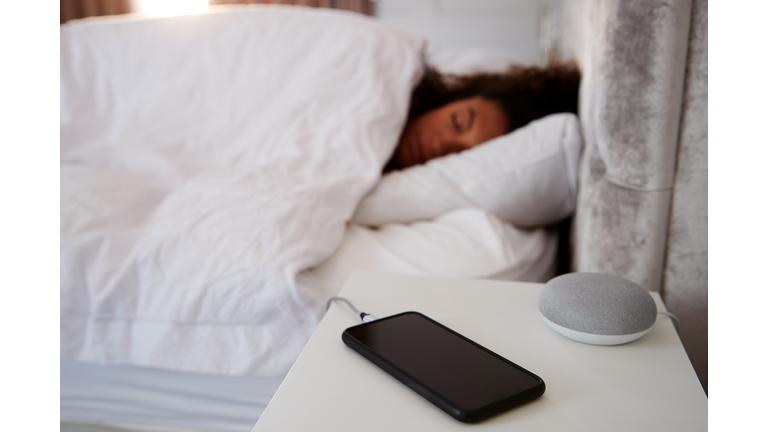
[596, 308]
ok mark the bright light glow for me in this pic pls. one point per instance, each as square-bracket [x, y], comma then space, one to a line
[174, 7]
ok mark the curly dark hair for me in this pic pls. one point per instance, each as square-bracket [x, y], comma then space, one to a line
[526, 93]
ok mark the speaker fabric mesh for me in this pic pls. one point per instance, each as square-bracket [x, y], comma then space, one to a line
[598, 304]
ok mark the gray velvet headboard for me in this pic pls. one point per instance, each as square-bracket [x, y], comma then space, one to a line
[642, 205]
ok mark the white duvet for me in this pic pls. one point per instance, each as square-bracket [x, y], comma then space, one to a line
[209, 166]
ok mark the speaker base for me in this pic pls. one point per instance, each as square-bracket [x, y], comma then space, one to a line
[594, 339]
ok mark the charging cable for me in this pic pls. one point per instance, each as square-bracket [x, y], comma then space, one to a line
[675, 321]
[365, 316]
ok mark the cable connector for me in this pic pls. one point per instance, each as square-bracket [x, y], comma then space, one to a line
[364, 316]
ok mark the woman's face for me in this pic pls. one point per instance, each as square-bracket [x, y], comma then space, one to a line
[451, 128]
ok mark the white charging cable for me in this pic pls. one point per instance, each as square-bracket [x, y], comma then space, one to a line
[365, 316]
[675, 321]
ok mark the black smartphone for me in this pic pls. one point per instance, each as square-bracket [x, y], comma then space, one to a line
[464, 379]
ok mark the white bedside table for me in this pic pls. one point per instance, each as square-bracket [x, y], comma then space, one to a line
[645, 385]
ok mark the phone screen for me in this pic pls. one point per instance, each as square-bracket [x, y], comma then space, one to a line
[469, 376]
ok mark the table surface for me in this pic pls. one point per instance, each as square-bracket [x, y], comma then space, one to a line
[648, 384]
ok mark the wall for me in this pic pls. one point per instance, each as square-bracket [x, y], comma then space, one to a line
[509, 26]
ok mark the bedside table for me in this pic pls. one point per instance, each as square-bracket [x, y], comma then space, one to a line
[648, 384]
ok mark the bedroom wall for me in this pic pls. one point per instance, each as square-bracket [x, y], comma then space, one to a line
[509, 26]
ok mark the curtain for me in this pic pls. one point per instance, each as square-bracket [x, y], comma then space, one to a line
[73, 9]
[361, 6]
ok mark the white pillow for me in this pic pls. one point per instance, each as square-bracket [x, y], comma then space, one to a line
[527, 177]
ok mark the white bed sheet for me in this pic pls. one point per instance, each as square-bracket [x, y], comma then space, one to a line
[138, 397]
[467, 242]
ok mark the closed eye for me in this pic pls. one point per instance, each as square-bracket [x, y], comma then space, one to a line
[463, 124]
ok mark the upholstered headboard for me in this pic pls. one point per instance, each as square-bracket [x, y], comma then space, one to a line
[642, 205]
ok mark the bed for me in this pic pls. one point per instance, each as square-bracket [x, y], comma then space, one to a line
[220, 180]
[221, 177]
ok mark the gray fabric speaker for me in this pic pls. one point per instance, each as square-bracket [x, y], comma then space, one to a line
[598, 309]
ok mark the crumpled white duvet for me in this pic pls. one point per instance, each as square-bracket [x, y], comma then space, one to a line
[206, 160]
[209, 166]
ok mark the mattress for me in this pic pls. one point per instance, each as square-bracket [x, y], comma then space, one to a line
[154, 399]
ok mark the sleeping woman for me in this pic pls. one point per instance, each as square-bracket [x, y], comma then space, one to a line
[420, 222]
[451, 113]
